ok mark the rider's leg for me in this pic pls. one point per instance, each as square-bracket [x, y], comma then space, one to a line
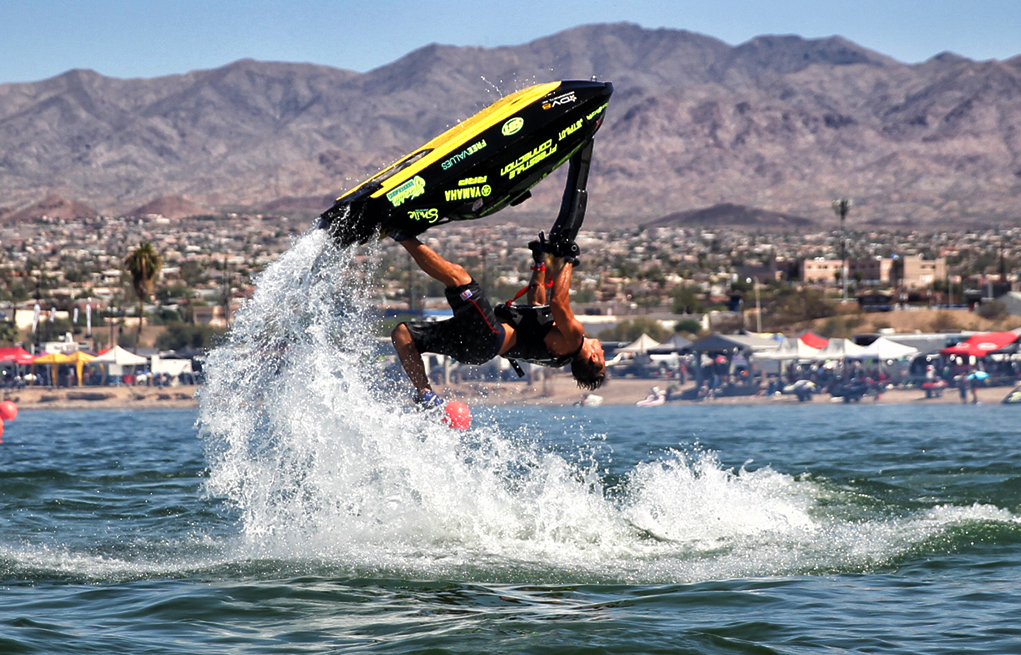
[448, 273]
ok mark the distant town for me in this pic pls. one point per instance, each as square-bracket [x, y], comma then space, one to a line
[683, 278]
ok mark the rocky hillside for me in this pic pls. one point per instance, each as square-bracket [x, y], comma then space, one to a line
[779, 123]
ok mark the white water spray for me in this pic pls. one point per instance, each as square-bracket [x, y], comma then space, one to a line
[308, 442]
[323, 461]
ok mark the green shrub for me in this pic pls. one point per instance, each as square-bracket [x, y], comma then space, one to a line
[179, 335]
[631, 329]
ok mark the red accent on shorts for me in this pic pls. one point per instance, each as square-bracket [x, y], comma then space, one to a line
[483, 315]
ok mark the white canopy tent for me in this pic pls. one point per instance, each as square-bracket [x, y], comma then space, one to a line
[790, 349]
[839, 349]
[120, 357]
[172, 366]
[674, 344]
[115, 359]
[640, 345]
[884, 349]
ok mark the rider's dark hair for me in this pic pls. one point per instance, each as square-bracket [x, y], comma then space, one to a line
[587, 373]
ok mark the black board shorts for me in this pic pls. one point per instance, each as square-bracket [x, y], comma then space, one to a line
[473, 336]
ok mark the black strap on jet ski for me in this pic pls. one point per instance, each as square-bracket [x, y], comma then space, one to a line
[572, 212]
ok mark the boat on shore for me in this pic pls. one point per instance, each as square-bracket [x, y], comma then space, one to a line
[655, 398]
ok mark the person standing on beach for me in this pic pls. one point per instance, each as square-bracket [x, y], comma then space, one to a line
[962, 387]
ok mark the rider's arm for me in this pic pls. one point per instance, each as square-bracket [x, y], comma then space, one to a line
[537, 285]
[568, 332]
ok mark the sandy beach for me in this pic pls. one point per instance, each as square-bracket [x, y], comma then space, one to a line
[36, 398]
[561, 390]
[557, 391]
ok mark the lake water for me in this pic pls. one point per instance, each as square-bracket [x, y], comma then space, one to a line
[305, 508]
[678, 529]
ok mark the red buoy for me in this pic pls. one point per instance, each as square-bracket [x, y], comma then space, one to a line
[8, 410]
[458, 415]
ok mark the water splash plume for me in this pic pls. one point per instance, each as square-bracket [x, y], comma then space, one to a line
[323, 460]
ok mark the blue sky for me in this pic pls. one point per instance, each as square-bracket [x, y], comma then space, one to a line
[149, 38]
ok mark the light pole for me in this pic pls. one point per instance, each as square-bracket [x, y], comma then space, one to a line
[841, 206]
[226, 292]
[485, 272]
[754, 281]
[758, 309]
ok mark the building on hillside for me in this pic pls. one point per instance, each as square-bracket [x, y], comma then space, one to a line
[209, 315]
[875, 270]
[760, 273]
[826, 271]
[909, 272]
[913, 272]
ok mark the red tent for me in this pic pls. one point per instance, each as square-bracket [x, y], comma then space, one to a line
[16, 355]
[980, 345]
[813, 340]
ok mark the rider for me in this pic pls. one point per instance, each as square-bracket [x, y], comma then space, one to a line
[544, 335]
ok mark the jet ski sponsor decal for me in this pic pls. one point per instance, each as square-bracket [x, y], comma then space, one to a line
[431, 215]
[464, 154]
[467, 193]
[596, 112]
[411, 189]
[529, 159]
[512, 126]
[559, 100]
[570, 129]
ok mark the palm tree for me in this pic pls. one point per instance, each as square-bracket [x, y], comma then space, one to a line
[144, 265]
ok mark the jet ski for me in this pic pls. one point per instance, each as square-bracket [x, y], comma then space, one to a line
[481, 165]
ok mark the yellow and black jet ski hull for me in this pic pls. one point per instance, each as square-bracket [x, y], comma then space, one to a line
[477, 167]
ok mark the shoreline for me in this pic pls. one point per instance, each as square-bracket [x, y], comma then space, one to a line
[558, 391]
[562, 391]
[43, 398]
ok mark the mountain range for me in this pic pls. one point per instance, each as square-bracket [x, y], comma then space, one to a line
[779, 124]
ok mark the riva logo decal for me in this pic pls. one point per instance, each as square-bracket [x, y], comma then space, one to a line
[431, 215]
[559, 100]
[464, 154]
[413, 188]
[529, 159]
[570, 129]
[512, 126]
